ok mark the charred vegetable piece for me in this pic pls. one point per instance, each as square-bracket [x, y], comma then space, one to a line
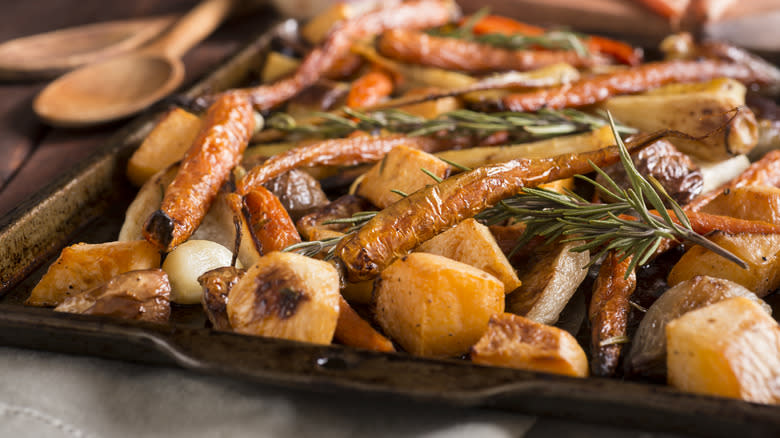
[354, 331]
[223, 136]
[270, 225]
[549, 282]
[419, 14]
[471, 243]
[146, 202]
[289, 296]
[598, 88]
[84, 266]
[454, 54]
[728, 349]
[403, 170]
[399, 228]
[139, 295]
[608, 313]
[678, 175]
[337, 152]
[216, 285]
[648, 346]
[299, 192]
[437, 307]
[517, 342]
[343, 207]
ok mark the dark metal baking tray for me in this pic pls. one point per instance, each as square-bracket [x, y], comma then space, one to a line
[88, 204]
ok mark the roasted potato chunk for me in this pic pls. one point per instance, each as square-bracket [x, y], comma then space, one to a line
[472, 243]
[549, 283]
[146, 202]
[729, 349]
[435, 306]
[140, 295]
[84, 266]
[289, 296]
[759, 251]
[400, 169]
[517, 342]
[165, 145]
[648, 347]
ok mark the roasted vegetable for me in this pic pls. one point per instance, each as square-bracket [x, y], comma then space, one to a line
[165, 145]
[298, 192]
[608, 313]
[759, 203]
[269, 223]
[760, 251]
[216, 285]
[517, 342]
[140, 295]
[728, 349]
[146, 202]
[83, 266]
[286, 295]
[454, 54]
[596, 89]
[471, 243]
[648, 346]
[403, 170]
[434, 306]
[354, 331]
[341, 208]
[369, 89]
[187, 262]
[549, 282]
[223, 136]
[696, 109]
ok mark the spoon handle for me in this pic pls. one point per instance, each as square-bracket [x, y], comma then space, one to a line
[192, 28]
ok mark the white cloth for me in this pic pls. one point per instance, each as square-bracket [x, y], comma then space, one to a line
[52, 395]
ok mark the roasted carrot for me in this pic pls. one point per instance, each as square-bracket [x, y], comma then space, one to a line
[623, 52]
[224, 134]
[336, 152]
[455, 54]
[671, 9]
[399, 228]
[608, 313]
[343, 67]
[370, 89]
[418, 14]
[269, 223]
[354, 331]
[598, 88]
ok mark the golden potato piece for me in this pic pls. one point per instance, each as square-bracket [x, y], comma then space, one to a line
[516, 342]
[289, 296]
[277, 66]
[729, 349]
[759, 251]
[472, 243]
[319, 26]
[434, 306]
[400, 169]
[165, 145]
[756, 203]
[84, 266]
[139, 295]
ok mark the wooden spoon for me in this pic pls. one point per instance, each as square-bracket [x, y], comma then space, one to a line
[121, 86]
[50, 54]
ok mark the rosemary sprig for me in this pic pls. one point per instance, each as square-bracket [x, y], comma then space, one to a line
[626, 226]
[328, 246]
[544, 123]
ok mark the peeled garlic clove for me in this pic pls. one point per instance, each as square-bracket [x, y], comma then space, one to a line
[189, 261]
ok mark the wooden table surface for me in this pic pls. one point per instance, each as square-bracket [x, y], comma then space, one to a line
[33, 154]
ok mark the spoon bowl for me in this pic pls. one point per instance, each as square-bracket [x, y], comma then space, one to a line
[109, 90]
